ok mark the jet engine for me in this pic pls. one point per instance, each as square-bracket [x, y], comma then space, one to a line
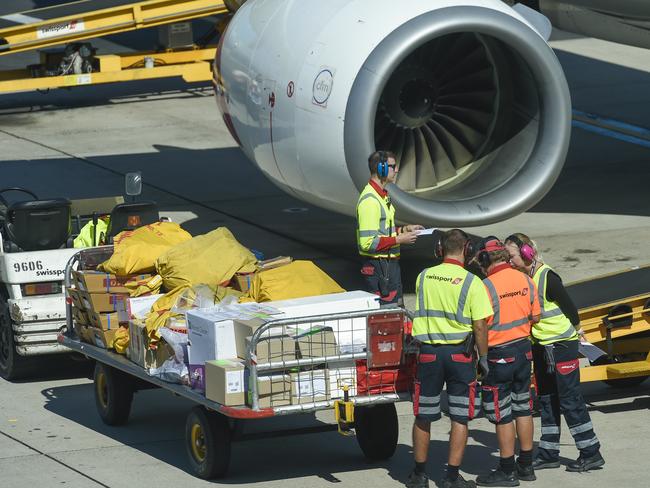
[467, 94]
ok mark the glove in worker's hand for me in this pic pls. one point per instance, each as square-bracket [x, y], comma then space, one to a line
[484, 366]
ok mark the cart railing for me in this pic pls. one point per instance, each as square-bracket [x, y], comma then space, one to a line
[307, 362]
[302, 363]
[87, 258]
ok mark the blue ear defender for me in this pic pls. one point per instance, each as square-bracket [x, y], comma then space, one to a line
[382, 165]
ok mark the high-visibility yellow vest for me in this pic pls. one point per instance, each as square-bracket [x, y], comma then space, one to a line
[88, 232]
[449, 298]
[375, 219]
[553, 325]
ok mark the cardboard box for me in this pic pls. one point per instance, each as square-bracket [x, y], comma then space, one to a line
[139, 351]
[273, 391]
[351, 334]
[310, 386]
[210, 337]
[102, 338]
[75, 296]
[98, 282]
[139, 307]
[274, 262]
[244, 329]
[224, 382]
[79, 316]
[274, 349]
[343, 376]
[104, 321]
[242, 281]
[106, 302]
[81, 332]
[316, 342]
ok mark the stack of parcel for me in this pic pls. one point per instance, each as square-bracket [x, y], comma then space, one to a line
[205, 312]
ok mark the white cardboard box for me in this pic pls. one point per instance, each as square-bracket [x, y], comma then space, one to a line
[139, 307]
[350, 333]
[209, 338]
[310, 386]
[343, 376]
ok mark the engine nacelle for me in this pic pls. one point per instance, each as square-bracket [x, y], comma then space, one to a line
[467, 94]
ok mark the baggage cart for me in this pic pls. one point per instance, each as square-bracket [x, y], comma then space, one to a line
[359, 354]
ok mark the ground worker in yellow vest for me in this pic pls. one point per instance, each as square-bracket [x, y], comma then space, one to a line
[506, 389]
[378, 238]
[555, 360]
[451, 308]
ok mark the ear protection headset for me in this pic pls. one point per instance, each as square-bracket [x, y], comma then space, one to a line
[439, 242]
[382, 165]
[526, 250]
[487, 245]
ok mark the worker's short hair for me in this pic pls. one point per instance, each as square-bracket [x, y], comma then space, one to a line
[378, 156]
[454, 241]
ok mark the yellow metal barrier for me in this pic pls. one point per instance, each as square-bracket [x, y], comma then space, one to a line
[618, 327]
[193, 65]
[95, 23]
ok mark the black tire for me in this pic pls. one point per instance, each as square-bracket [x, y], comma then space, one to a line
[113, 394]
[13, 366]
[208, 440]
[377, 430]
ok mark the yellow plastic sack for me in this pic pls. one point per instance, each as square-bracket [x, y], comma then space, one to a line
[136, 251]
[161, 311]
[211, 259]
[121, 340]
[150, 287]
[296, 280]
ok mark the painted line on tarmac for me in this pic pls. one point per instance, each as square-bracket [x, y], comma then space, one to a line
[54, 459]
[612, 128]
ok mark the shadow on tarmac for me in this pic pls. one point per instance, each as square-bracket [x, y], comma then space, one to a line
[157, 424]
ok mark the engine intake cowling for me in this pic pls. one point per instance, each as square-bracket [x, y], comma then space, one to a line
[470, 98]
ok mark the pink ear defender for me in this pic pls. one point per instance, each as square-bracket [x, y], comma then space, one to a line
[526, 250]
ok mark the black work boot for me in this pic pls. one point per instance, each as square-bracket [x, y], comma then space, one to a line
[417, 480]
[541, 463]
[586, 463]
[459, 482]
[497, 478]
[525, 473]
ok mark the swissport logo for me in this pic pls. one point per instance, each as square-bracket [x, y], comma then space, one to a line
[567, 367]
[445, 279]
[518, 293]
[60, 29]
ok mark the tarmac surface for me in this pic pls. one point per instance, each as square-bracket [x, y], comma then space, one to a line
[80, 143]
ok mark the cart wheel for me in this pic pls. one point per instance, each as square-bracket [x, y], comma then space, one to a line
[207, 439]
[113, 394]
[13, 366]
[377, 430]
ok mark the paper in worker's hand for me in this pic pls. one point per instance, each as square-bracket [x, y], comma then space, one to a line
[591, 352]
[425, 232]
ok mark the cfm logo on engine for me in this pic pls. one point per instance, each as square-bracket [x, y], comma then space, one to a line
[322, 87]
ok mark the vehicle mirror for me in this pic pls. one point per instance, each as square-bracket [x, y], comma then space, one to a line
[133, 183]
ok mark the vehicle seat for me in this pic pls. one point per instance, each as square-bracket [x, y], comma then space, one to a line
[129, 216]
[37, 225]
